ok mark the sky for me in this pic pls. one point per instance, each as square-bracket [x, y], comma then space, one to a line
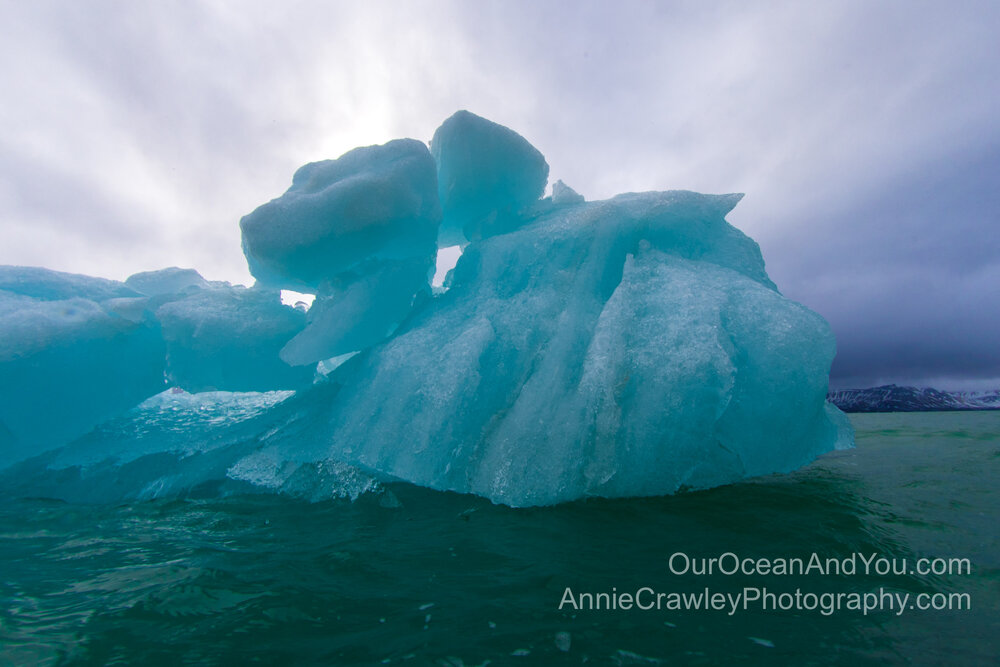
[866, 135]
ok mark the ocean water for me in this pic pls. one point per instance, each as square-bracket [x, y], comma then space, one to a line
[404, 575]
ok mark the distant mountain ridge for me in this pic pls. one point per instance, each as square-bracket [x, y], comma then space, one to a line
[893, 398]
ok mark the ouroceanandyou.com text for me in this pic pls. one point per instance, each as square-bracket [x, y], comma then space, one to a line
[729, 563]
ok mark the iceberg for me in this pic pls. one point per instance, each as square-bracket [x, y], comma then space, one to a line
[628, 347]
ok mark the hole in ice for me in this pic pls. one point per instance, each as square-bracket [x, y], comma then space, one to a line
[294, 299]
[447, 258]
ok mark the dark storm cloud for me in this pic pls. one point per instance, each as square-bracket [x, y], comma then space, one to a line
[909, 277]
[865, 134]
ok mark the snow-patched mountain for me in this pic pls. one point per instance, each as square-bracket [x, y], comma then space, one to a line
[893, 398]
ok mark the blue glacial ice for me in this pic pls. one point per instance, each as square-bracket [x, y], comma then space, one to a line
[627, 347]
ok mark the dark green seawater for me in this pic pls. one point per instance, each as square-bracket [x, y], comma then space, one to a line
[411, 576]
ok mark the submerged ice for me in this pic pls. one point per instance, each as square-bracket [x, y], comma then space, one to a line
[633, 346]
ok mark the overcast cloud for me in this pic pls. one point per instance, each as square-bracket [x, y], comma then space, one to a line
[134, 135]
